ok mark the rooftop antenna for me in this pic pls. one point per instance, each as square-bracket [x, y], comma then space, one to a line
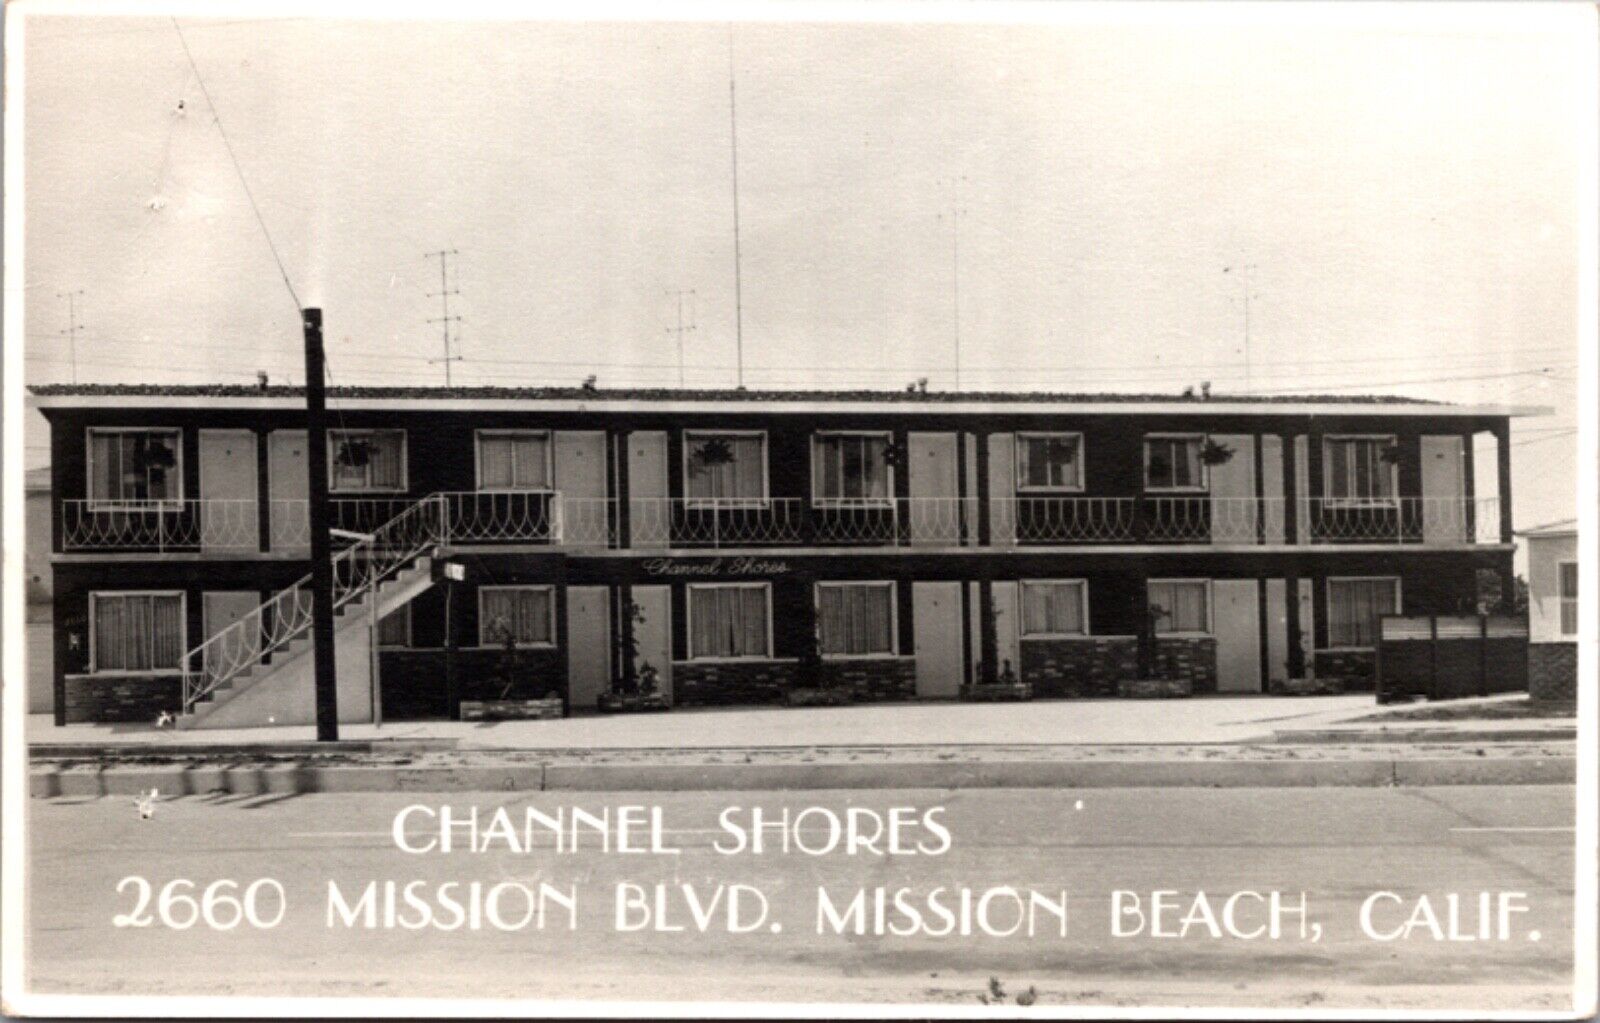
[72, 327]
[682, 328]
[957, 211]
[738, 289]
[1246, 272]
[443, 294]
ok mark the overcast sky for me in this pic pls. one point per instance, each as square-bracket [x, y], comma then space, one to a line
[1406, 196]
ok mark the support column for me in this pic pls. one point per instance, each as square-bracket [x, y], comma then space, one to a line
[1502, 439]
[1291, 505]
[988, 638]
[983, 489]
[1291, 604]
[263, 490]
[625, 640]
[620, 441]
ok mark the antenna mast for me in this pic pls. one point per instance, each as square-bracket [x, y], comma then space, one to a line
[443, 294]
[72, 328]
[681, 328]
[738, 291]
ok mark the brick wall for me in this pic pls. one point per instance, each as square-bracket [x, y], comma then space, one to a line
[1187, 657]
[1553, 671]
[1355, 669]
[1090, 666]
[122, 697]
[414, 680]
[733, 682]
[873, 679]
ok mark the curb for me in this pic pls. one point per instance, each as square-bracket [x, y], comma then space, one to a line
[280, 779]
[1370, 736]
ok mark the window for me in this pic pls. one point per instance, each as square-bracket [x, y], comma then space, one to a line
[524, 615]
[1358, 468]
[1173, 463]
[1354, 606]
[513, 460]
[366, 460]
[394, 628]
[725, 466]
[856, 619]
[1180, 605]
[1050, 461]
[1057, 607]
[136, 631]
[135, 465]
[730, 621]
[849, 467]
[1569, 598]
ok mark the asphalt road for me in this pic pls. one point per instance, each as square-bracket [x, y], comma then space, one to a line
[1337, 846]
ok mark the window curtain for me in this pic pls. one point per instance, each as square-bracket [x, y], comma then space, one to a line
[1354, 606]
[855, 620]
[1185, 604]
[739, 478]
[384, 464]
[1039, 469]
[729, 621]
[131, 465]
[1053, 609]
[1173, 462]
[514, 462]
[1356, 469]
[852, 467]
[526, 613]
[105, 456]
[138, 632]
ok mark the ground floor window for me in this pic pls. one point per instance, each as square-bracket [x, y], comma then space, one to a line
[394, 628]
[1354, 606]
[1569, 598]
[524, 615]
[856, 619]
[730, 621]
[1180, 605]
[1055, 607]
[136, 631]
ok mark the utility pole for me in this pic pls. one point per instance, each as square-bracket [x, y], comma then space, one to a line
[738, 290]
[443, 295]
[681, 328]
[72, 328]
[327, 691]
[957, 211]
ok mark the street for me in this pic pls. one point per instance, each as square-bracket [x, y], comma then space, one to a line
[557, 930]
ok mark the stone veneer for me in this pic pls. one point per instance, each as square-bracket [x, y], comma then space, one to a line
[122, 697]
[1553, 672]
[1097, 665]
[1187, 657]
[1356, 669]
[737, 682]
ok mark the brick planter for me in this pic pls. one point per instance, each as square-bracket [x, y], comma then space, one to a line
[622, 703]
[812, 696]
[998, 691]
[1306, 687]
[1154, 688]
[511, 710]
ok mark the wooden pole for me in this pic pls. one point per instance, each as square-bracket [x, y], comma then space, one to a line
[327, 692]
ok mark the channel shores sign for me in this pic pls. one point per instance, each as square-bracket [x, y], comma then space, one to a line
[713, 567]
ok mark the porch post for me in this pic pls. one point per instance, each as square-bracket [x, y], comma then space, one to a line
[982, 489]
[988, 638]
[620, 498]
[1502, 439]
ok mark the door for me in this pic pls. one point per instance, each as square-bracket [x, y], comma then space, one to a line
[581, 479]
[1444, 505]
[1277, 630]
[649, 523]
[228, 491]
[1272, 508]
[1233, 491]
[653, 636]
[288, 487]
[1002, 489]
[1238, 626]
[588, 644]
[936, 621]
[934, 510]
[219, 610]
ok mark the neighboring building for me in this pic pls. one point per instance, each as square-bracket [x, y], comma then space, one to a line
[1553, 610]
[920, 540]
[36, 567]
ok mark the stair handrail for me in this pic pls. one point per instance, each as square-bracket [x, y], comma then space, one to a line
[421, 527]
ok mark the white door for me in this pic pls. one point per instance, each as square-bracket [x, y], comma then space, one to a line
[581, 479]
[1233, 491]
[934, 510]
[288, 488]
[1272, 509]
[1277, 630]
[219, 610]
[936, 621]
[228, 506]
[653, 636]
[588, 644]
[648, 520]
[1238, 629]
[1444, 511]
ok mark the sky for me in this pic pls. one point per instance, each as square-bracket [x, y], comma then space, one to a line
[1086, 205]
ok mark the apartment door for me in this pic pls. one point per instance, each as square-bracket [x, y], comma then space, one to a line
[934, 512]
[653, 636]
[588, 644]
[228, 506]
[1233, 491]
[1238, 627]
[221, 609]
[581, 479]
[288, 487]
[936, 621]
[649, 519]
[1444, 512]
[1277, 630]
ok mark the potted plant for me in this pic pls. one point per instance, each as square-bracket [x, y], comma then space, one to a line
[354, 452]
[714, 451]
[512, 672]
[632, 691]
[1006, 684]
[1153, 680]
[1214, 453]
[1392, 454]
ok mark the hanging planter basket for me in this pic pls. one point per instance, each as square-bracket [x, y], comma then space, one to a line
[354, 454]
[1391, 454]
[714, 452]
[1213, 453]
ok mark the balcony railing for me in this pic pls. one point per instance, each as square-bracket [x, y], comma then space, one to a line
[542, 517]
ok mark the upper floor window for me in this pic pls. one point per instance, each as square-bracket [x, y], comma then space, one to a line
[135, 465]
[1172, 462]
[725, 466]
[523, 615]
[1569, 598]
[136, 631]
[1050, 461]
[1358, 468]
[513, 460]
[366, 460]
[1354, 607]
[856, 619]
[1055, 607]
[729, 621]
[1180, 605]
[850, 467]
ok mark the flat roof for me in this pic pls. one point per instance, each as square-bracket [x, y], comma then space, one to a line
[582, 399]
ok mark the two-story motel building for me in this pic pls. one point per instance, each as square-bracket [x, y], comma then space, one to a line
[917, 541]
